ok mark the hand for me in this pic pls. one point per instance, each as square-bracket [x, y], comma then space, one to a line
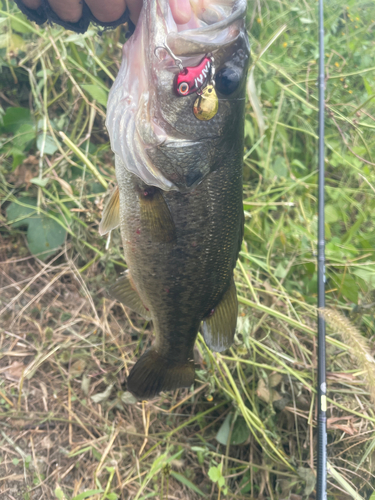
[109, 10]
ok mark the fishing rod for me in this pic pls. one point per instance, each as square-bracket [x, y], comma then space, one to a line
[321, 486]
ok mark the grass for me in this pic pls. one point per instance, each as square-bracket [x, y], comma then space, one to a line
[248, 428]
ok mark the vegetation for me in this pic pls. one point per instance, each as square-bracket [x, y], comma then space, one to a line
[248, 427]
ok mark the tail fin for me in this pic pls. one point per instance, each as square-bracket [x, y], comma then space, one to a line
[153, 373]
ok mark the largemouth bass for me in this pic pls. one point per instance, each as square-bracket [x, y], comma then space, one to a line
[179, 196]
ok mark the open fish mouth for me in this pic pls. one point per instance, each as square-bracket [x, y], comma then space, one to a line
[215, 24]
[145, 119]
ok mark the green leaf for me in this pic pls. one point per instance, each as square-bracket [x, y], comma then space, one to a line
[298, 164]
[24, 135]
[44, 234]
[271, 88]
[102, 396]
[214, 473]
[367, 86]
[187, 483]
[50, 145]
[24, 27]
[245, 483]
[349, 288]
[16, 42]
[87, 494]
[307, 475]
[331, 214]
[221, 482]
[4, 41]
[14, 118]
[77, 38]
[240, 432]
[40, 182]
[249, 130]
[367, 275]
[85, 384]
[128, 398]
[97, 93]
[279, 167]
[59, 494]
[17, 211]
[96, 454]
[223, 433]
[372, 497]
[112, 496]
[18, 158]
[280, 271]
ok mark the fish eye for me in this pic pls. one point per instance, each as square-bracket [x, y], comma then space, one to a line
[228, 79]
[183, 88]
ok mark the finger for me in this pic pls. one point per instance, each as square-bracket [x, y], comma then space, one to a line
[135, 7]
[32, 4]
[181, 11]
[67, 10]
[107, 11]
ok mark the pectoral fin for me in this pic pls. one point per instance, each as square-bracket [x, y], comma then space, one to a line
[155, 216]
[124, 292]
[111, 213]
[219, 329]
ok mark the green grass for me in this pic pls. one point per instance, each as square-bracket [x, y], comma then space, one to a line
[248, 429]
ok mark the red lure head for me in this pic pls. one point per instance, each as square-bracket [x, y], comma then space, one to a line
[191, 79]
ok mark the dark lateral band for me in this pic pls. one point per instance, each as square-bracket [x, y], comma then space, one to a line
[45, 13]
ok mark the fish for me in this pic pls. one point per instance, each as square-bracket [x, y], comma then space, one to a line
[178, 200]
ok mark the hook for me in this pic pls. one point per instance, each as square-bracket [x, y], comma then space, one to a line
[165, 47]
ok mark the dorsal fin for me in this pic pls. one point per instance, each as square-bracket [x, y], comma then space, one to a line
[111, 213]
[219, 329]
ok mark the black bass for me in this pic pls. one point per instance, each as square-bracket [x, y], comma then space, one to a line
[178, 154]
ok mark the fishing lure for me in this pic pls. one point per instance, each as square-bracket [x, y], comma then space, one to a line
[197, 79]
[193, 78]
[207, 104]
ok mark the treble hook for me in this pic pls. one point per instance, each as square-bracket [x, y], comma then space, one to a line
[165, 47]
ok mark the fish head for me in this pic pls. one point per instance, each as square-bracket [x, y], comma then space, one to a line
[151, 116]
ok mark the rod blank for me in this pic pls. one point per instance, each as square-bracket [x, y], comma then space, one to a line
[321, 487]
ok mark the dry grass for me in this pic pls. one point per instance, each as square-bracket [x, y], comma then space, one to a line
[63, 347]
[59, 349]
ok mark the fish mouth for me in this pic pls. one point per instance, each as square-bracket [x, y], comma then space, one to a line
[137, 121]
[208, 36]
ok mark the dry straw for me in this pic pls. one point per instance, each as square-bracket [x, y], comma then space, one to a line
[359, 347]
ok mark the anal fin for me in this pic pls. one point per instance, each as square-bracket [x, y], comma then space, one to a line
[111, 213]
[219, 329]
[124, 292]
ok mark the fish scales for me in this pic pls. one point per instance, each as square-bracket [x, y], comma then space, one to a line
[182, 231]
